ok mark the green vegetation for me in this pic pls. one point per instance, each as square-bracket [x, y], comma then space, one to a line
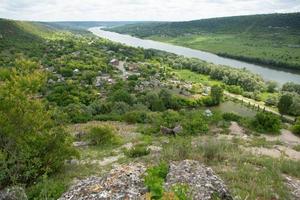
[54, 82]
[137, 151]
[296, 127]
[271, 39]
[155, 178]
[266, 122]
[32, 143]
[104, 135]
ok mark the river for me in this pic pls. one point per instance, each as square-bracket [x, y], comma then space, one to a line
[267, 73]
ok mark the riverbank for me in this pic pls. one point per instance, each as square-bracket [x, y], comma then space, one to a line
[265, 49]
[277, 75]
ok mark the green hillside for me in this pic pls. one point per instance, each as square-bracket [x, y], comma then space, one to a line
[80, 107]
[272, 39]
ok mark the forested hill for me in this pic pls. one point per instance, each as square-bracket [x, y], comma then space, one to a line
[87, 24]
[22, 30]
[238, 24]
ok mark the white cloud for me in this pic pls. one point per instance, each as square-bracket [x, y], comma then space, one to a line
[121, 10]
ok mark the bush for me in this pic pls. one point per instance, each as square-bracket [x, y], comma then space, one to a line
[135, 117]
[122, 95]
[46, 189]
[137, 151]
[296, 127]
[103, 135]
[266, 122]
[208, 101]
[78, 113]
[155, 178]
[194, 123]
[235, 89]
[231, 117]
[120, 108]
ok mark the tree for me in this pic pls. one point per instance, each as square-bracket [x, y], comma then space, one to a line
[122, 95]
[166, 98]
[266, 122]
[271, 86]
[216, 94]
[154, 102]
[285, 103]
[31, 143]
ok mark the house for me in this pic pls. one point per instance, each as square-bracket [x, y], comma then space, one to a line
[208, 113]
[76, 71]
[114, 62]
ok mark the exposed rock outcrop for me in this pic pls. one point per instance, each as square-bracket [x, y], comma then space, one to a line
[202, 181]
[123, 182]
[13, 193]
[126, 182]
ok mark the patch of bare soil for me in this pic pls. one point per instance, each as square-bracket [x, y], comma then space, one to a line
[236, 129]
[286, 137]
[276, 152]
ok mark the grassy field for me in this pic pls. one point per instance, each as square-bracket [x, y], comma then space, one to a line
[270, 49]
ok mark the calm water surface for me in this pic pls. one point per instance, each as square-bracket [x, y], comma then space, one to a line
[267, 73]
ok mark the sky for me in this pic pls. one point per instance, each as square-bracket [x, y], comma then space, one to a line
[139, 10]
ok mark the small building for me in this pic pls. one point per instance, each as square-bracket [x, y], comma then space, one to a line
[114, 62]
[76, 71]
[208, 113]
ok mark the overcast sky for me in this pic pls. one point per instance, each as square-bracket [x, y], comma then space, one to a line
[139, 10]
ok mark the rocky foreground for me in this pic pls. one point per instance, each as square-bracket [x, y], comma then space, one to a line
[126, 182]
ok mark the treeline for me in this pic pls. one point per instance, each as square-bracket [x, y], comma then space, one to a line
[267, 62]
[252, 23]
[230, 76]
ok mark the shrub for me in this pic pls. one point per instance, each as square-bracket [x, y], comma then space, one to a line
[46, 189]
[285, 103]
[208, 101]
[102, 135]
[135, 117]
[122, 95]
[235, 89]
[120, 108]
[78, 113]
[296, 127]
[194, 123]
[231, 117]
[155, 178]
[266, 122]
[216, 94]
[137, 151]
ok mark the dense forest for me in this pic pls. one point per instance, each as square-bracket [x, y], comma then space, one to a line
[61, 89]
[271, 39]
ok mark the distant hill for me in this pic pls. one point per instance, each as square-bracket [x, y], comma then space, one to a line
[237, 24]
[270, 39]
[88, 24]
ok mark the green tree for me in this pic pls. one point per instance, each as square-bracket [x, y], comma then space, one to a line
[154, 102]
[271, 86]
[216, 94]
[285, 103]
[31, 143]
[266, 122]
